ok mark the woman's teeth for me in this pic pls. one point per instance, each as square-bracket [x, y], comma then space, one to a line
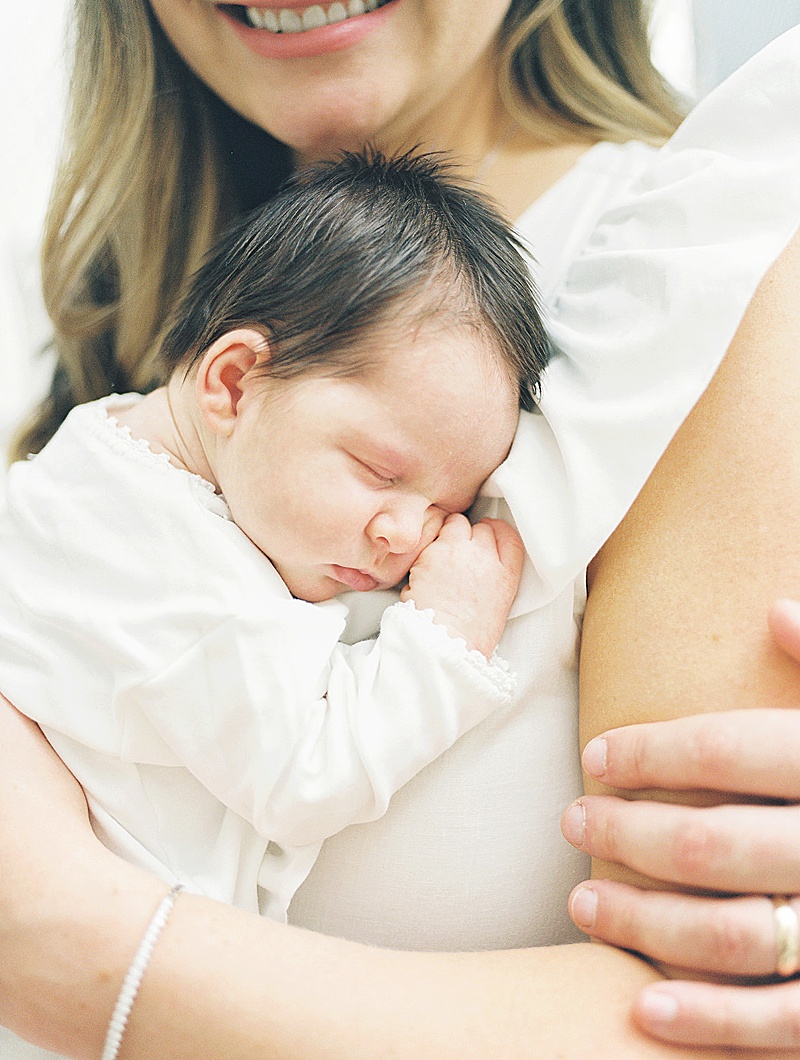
[298, 20]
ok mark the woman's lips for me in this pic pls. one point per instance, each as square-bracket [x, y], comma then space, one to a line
[296, 41]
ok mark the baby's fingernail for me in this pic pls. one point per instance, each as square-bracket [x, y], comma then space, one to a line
[583, 907]
[657, 1007]
[594, 757]
[573, 824]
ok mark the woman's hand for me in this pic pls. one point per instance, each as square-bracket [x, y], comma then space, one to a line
[752, 850]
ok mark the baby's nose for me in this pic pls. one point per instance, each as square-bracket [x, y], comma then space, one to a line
[406, 527]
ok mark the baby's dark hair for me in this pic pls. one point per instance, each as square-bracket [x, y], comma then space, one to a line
[341, 245]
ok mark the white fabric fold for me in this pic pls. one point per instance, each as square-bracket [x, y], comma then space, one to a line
[645, 314]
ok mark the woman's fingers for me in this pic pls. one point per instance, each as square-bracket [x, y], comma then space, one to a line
[729, 848]
[763, 1017]
[735, 936]
[749, 752]
[732, 848]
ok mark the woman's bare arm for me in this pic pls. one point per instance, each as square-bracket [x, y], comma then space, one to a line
[60, 968]
[676, 620]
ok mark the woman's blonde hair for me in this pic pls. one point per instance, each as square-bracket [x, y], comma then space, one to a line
[143, 188]
[584, 66]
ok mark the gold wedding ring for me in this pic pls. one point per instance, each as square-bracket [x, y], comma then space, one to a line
[787, 937]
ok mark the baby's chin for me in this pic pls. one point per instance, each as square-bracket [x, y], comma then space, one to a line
[316, 594]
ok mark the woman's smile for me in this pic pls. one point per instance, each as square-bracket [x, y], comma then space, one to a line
[304, 30]
[314, 16]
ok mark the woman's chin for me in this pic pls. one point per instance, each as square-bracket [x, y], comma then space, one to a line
[329, 131]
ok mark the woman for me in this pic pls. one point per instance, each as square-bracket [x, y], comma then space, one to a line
[453, 864]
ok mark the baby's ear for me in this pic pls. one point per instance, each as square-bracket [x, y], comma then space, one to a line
[224, 371]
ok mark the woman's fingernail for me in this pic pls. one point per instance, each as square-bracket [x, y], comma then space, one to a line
[583, 907]
[657, 1006]
[790, 608]
[573, 824]
[594, 757]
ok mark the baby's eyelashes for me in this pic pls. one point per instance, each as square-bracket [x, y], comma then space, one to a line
[377, 475]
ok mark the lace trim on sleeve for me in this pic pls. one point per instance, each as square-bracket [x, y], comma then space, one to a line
[422, 621]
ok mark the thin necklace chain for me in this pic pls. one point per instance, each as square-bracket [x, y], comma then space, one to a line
[495, 151]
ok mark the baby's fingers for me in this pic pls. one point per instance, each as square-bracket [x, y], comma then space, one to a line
[455, 528]
[510, 548]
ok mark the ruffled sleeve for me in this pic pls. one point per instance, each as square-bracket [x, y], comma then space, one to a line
[645, 314]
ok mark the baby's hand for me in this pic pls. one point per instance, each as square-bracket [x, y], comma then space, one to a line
[468, 576]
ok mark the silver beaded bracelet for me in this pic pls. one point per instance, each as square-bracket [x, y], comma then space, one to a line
[133, 980]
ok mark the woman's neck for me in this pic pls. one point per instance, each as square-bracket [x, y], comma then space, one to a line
[525, 169]
[511, 164]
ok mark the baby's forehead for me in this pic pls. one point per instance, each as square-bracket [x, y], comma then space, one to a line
[460, 417]
[451, 340]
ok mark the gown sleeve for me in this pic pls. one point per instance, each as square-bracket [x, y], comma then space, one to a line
[302, 736]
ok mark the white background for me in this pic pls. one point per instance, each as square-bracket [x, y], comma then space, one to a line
[32, 80]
